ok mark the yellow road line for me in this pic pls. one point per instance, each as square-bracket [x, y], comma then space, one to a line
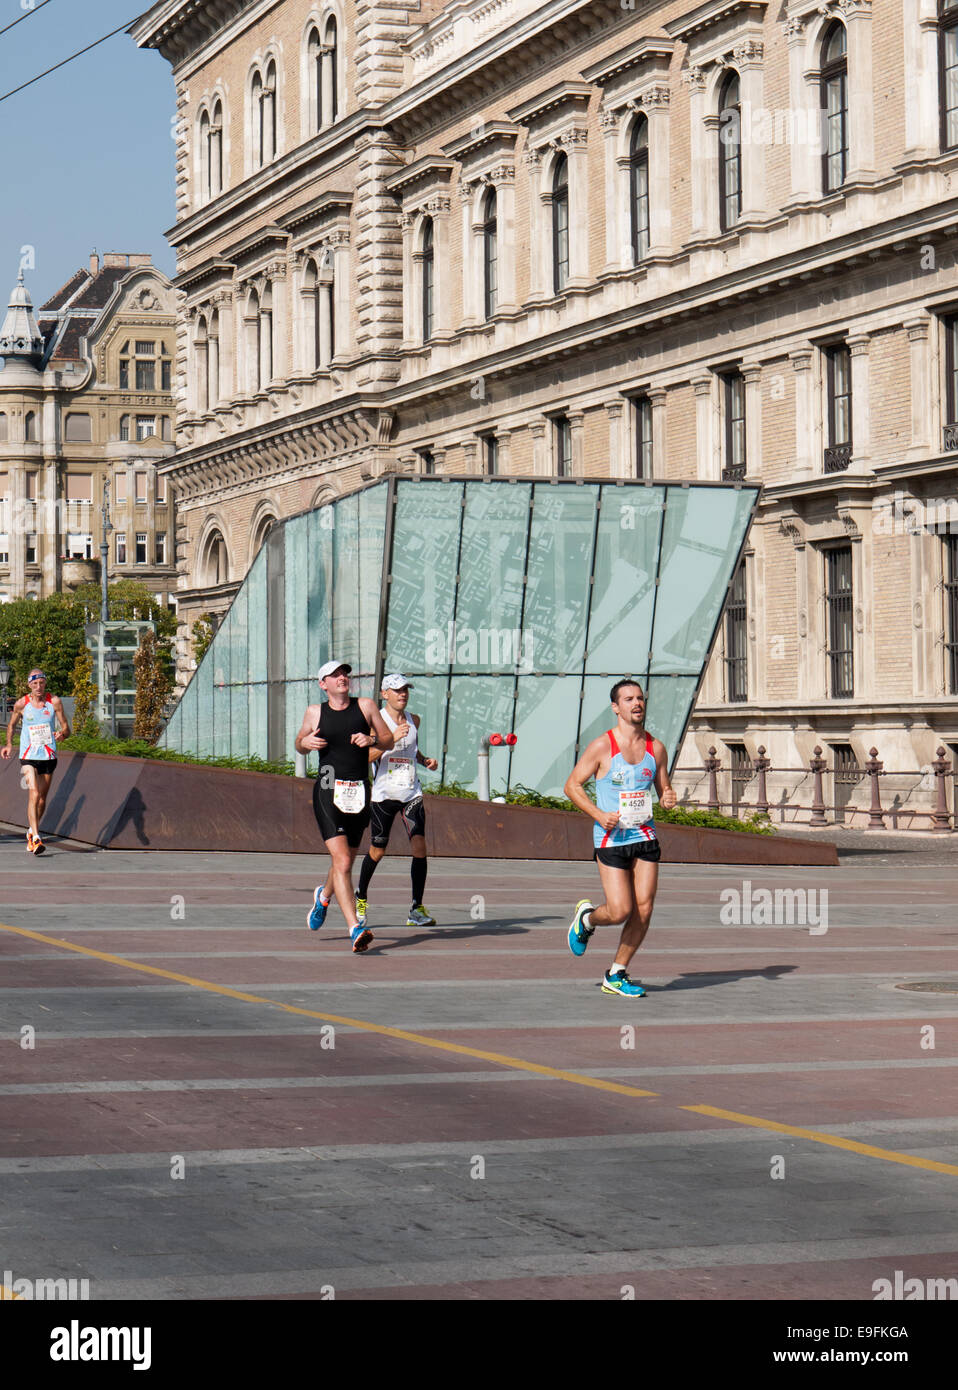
[889, 1155]
[500, 1059]
[6, 1293]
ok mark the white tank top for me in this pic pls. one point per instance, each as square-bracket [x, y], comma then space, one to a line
[397, 773]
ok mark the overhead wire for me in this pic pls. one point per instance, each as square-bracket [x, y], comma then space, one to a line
[64, 61]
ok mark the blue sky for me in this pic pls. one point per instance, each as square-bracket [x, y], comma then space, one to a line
[87, 151]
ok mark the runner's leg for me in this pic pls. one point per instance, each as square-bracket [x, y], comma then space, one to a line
[33, 797]
[368, 867]
[418, 868]
[645, 878]
[43, 787]
[340, 876]
[619, 903]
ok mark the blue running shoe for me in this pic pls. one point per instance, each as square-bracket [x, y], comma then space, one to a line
[621, 984]
[318, 915]
[578, 934]
[361, 937]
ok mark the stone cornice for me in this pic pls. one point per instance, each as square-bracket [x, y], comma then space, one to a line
[327, 208]
[646, 53]
[569, 98]
[258, 244]
[499, 135]
[215, 269]
[715, 12]
[429, 173]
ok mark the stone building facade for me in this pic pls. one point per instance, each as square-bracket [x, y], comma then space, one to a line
[593, 238]
[85, 400]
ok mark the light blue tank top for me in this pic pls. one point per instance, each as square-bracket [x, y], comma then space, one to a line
[617, 791]
[37, 742]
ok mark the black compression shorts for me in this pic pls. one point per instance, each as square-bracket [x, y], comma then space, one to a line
[385, 812]
[624, 856]
[332, 821]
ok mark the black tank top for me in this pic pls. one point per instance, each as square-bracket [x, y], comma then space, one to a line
[349, 763]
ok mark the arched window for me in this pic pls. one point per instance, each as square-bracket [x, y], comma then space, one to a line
[206, 189]
[948, 71]
[4, 428]
[269, 114]
[124, 427]
[253, 345]
[834, 100]
[266, 338]
[202, 345]
[215, 152]
[263, 528]
[256, 112]
[332, 46]
[312, 342]
[428, 280]
[213, 360]
[30, 427]
[730, 153]
[639, 188]
[490, 254]
[217, 559]
[314, 65]
[560, 225]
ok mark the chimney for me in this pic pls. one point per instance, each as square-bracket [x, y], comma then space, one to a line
[94, 263]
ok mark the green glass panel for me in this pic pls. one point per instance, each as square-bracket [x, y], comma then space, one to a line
[478, 705]
[703, 531]
[258, 738]
[372, 536]
[203, 680]
[296, 596]
[239, 641]
[423, 589]
[597, 712]
[239, 721]
[220, 649]
[319, 587]
[299, 694]
[559, 565]
[623, 595]
[221, 720]
[548, 711]
[256, 588]
[188, 738]
[488, 634]
[346, 583]
[669, 702]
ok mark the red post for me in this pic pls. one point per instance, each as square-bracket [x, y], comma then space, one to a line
[939, 821]
[761, 764]
[874, 769]
[817, 767]
[712, 766]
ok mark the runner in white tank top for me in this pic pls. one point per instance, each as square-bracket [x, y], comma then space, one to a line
[397, 791]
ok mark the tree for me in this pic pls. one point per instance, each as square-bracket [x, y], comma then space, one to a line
[152, 689]
[42, 632]
[85, 693]
[129, 597]
[203, 633]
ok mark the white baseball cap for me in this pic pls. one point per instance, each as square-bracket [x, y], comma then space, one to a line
[396, 682]
[332, 666]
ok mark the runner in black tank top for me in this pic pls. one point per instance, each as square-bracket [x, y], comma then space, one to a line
[342, 731]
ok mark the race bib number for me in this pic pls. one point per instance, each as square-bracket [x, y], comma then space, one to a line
[348, 797]
[635, 809]
[39, 734]
[401, 775]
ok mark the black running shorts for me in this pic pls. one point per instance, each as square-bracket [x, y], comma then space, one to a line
[385, 812]
[332, 821]
[624, 856]
[41, 764]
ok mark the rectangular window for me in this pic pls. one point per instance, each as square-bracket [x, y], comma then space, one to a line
[79, 487]
[736, 648]
[950, 567]
[948, 73]
[146, 376]
[161, 487]
[31, 487]
[741, 773]
[847, 774]
[141, 547]
[490, 455]
[166, 430]
[4, 548]
[838, 371]
[79, 546]
[165, 371]
[562, 446]
[144, 349]
[838, 603]
[31, 555]
[950, 441]
[119, 487]
[140, 493]
[733, 391]
[124, 428]
[161, 547]
[79, 429]
[121, 547]
[145, 426]
[643, 437]
[427, 460]
[124, 374]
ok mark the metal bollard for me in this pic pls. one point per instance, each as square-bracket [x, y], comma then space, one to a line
[761, 764]
[939, 821]
[817, 767]
[875, 813]
[712, 766]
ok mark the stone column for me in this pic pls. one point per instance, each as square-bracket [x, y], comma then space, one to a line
[410, 336]
[801, 151]
[471, 277]
[538, 220]
[801, 360]
[921, 78]
[657, 397]
[858, 345]
[280, 287]
[704, 442]
[748, 57]
[227, 345]
[504, 181]
[703, 158]
[326, 55]
[917, 329]
[752, 376]
[618, 439]
[656, 104]
[574, 142]
[576, 420]
[342, 294]
[540, 457]
[616, 238]
[438, 208]
[861, 95]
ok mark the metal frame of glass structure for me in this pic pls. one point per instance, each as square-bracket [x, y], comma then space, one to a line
[510, 604]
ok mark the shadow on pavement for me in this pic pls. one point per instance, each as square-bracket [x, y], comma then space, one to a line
[444, 934]
[701, 979]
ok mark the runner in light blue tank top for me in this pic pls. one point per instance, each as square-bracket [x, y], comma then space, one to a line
[42, 722]
[626, 762]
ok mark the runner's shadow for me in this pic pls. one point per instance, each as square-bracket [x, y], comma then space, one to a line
[702, 979]
[443, 934]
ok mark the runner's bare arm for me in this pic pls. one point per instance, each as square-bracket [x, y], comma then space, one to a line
[308, 740]
[421, 758]
[667, 797]
[588, 766]
[381, 734]
[64, 724]
[15, 714]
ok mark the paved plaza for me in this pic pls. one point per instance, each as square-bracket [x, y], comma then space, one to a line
[219, 1104]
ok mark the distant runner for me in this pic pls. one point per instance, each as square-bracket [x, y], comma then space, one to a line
[626, 763]
[397, 791]
[341, 731]
[37, 712]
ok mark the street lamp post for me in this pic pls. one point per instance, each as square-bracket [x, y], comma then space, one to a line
[104, 555]
[4, 682]
[111, 660]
